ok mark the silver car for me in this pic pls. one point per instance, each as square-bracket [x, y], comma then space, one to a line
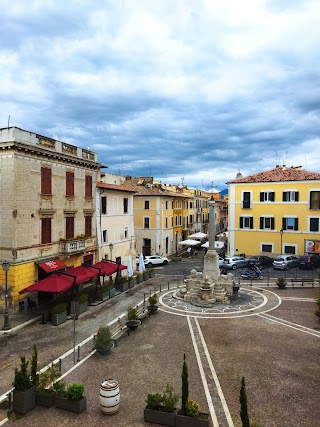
[234, 262]
[153, 260]
[284, 262]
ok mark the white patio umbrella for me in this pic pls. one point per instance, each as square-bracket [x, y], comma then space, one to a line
[129, 267]
[141, 264]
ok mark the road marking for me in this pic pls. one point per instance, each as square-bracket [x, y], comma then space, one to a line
[289, 324]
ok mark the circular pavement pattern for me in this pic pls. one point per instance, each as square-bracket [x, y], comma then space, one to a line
[248, 303]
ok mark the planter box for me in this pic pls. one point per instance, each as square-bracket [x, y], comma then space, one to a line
[145, 276]
[124, 287]
[83, 306]
[132, 282]
[159, 417]
[139, 279]
[152, 308]
[46, 400]
[184, 421]
[59, 318]
[151, 273]
[76, 406]
[24, 401]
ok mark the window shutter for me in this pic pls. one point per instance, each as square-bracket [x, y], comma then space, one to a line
[46, 178]
[296, 222]
[272, 196]
[103, 205]
[69, 228]
[45, 230]
[296, 196]
[261, 222]
[88, 226]
[284, 196]
[88, 186]
[125, 205]
[284, 224]
[251, 222]
[261, 196]
[272, 223]
[241, 222]
[69, 183]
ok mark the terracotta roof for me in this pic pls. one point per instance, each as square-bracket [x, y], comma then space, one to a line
[279, 174]
[114, 187]
[135, 184]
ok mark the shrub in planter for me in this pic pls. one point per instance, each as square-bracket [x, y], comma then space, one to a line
[152, 300]
[59, 314]
[45, 392]
[131, 281]
[281, 282]
[133, 318]
[70, 397]
[161, 408]
[103, 342]
[24, 393]
[151, 272]
[59, 308]
[139, 278]
[122, 283]
[81, 298]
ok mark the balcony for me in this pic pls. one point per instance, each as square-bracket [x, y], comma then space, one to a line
[72, 246]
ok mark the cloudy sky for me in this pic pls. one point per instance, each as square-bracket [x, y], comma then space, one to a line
[186, 91]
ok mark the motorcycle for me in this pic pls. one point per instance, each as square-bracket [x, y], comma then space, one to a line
[255, 273]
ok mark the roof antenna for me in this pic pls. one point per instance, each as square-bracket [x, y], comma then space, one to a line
[8, 121]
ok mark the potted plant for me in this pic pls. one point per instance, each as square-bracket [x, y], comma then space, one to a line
[281, 282]
[70, 397]
[24, 393]
[151, 272]
[103, 342]
[131, 281]
[108, 291]
[123, 284]
[152, 300]
[133, 318]
[189, 415]
[45, 392]
[146, 274]
[83, 302]
[59, 314]
[161, 408]
[139, 277]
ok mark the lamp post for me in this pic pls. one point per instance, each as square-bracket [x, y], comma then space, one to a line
[281, 233]
[111, 247]
[6, 324]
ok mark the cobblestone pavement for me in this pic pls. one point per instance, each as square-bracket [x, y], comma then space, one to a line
[277, 351]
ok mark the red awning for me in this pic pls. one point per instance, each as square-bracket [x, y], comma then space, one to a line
[83, 273]
[56, 282]
[108, 268]
[49, 266]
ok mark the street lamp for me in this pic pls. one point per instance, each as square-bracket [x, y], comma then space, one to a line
[6, 324]
[281, 233]
[111, 247]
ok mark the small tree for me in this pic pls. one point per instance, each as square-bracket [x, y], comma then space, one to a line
[185, 387]
[243, 405]
[34, 365]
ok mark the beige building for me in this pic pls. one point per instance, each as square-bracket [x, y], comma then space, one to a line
[47, 206]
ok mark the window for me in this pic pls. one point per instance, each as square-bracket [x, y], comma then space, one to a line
[88, 186]
[290, 196]
[146, 222]
[314, 202]
[126, 232]
[69, 184]
[246, 222]
[246, 200]
[172, 204]
[166, 204]
[69, 227]
[147, 204]
[103, 205]
[266, 223]
[314, 224]
[172, 221]
[166, 222]
[125, 205]
[190, 219]
[289, 249]
[46, 181]
[105, 236]
[266, 247]
[176, 219]
[45, 230]
[290, 223]
[267, 196]
[180, 220]
[88, 226]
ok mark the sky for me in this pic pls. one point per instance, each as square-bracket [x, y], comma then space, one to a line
[188, 91]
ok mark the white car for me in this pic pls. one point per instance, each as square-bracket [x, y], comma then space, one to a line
[153, 260]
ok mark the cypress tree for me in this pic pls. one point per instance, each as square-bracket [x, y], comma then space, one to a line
[185, 387]
[243, 405]
[34, 365]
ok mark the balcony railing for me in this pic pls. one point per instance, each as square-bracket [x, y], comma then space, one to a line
[71, 246]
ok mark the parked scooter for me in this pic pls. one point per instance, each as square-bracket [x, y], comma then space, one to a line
[255, 273]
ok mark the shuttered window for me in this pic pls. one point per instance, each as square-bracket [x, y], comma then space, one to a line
[266, 223]
[267, 196]
[88, 186]
[46, 181]
[125, 205]
[45, 230]
[246, 222]
[290, 224]
[88, 226]
[314, 224]
[146, 222]
[69, 228]
[69, 183]
[103, 205]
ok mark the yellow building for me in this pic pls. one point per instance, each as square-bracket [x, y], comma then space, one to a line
[273, 212]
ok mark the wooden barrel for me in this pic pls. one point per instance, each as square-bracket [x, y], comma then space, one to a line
[109, 396]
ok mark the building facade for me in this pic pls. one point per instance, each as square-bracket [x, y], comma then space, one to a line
[47, 206]
[274, 212]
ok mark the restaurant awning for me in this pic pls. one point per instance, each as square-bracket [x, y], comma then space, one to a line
[52, 265]
[83, 273]
[189, 242]
[108, 268]
[198, 235]
[56, 282]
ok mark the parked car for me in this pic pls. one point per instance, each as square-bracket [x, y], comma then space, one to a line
[308, 262]
[221, 261]
[284, 262]
[234, 262]
[153, 260]
[260, 260]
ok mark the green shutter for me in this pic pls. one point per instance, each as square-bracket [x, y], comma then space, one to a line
[284, 224]
[296, 196]
[284, 196]
[261, 223]
[261, 196]
[272, 223]
[272, 196]
[241, 222]
[296, 222]
[251, 222]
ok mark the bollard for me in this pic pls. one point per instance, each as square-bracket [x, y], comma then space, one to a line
[94, 340]
[10, 406]
[60, 365]
[168, 285]
[78, 359]
[144, 297]
[160, 287]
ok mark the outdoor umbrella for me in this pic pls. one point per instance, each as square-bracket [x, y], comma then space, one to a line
[141, 264]
[56, 282]
[129, 267]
